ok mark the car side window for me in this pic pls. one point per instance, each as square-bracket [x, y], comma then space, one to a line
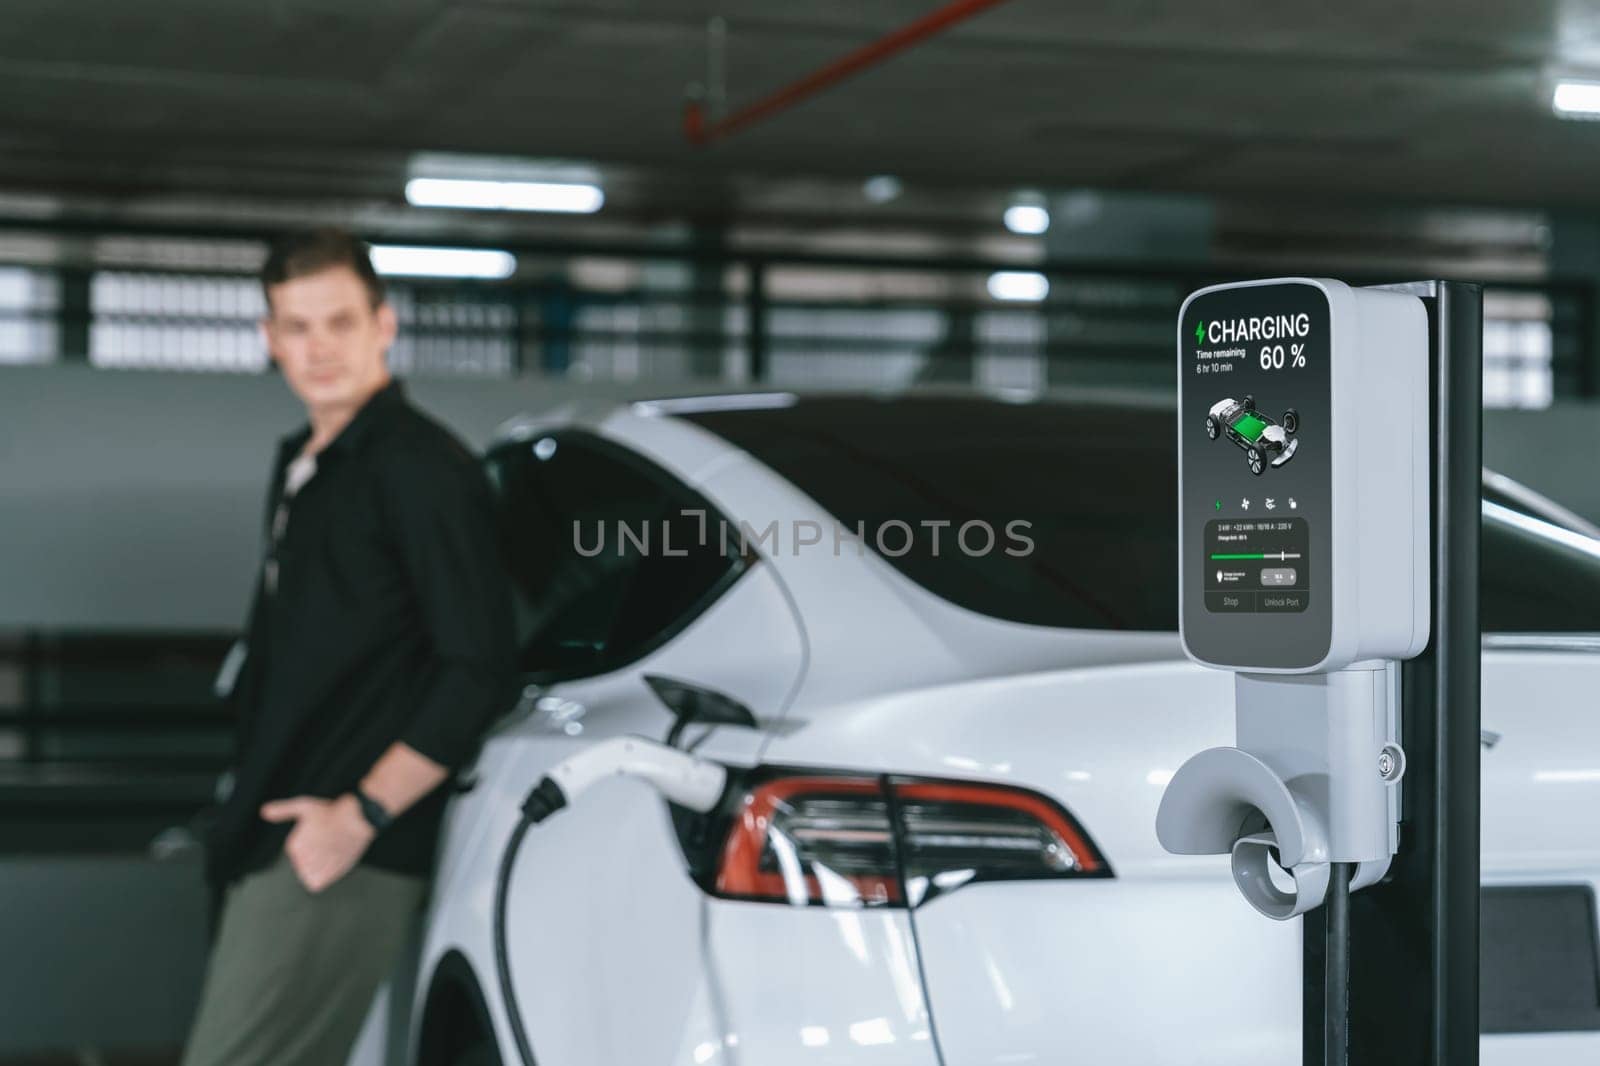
[605, 562]
[1536, 579]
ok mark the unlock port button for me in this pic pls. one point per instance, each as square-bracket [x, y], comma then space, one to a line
[1281, 601]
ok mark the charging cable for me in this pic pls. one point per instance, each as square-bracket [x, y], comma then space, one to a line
[679, 777]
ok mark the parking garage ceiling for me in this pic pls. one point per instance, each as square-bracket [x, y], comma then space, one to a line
[1361, 99]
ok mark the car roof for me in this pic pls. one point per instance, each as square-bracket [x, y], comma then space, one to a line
[930, 396]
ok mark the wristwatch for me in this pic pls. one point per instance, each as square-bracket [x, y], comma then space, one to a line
[372, 810]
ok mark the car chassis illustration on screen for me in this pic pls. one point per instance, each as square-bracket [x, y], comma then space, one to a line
[1262, 440]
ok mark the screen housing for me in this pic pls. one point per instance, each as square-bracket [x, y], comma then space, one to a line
[1365, 493]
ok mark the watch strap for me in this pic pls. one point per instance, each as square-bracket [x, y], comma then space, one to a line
[372, 810]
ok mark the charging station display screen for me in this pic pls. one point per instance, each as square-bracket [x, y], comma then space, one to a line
[1254, 413]
[1257, 564]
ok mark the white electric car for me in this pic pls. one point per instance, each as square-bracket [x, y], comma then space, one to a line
[952, 620]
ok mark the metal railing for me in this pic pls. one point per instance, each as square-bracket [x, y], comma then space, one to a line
[626, 312]
[106, 740]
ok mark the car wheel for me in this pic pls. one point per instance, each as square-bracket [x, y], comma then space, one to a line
[1291, 421]
[1211, 427]
[1248, 403]
[1256, 465]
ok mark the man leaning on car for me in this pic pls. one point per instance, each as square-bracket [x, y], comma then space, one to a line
[378, 650]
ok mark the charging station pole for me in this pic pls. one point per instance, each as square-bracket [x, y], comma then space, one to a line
[1413, 938]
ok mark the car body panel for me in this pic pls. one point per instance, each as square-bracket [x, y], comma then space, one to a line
[1541, 777]
[800, 985]
[603, 925]
[1164, 970]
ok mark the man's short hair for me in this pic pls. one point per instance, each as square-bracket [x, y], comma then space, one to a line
[296, 255]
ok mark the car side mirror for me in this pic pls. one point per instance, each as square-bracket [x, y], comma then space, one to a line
[690, 703]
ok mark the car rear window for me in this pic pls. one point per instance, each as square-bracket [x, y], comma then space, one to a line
[1097, 485]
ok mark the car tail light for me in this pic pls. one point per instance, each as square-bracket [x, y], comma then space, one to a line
[953, 833]
[808, 838]
[812, 840]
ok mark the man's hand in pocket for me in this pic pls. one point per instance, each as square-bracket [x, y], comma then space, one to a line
[328, 838]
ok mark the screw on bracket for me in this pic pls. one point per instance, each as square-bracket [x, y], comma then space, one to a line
[1391, 762]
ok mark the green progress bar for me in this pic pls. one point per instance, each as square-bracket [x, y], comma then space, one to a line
[1242, 555]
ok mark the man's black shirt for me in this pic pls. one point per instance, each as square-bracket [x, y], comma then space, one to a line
[389, 619]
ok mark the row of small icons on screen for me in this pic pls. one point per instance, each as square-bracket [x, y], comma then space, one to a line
[1270, 503]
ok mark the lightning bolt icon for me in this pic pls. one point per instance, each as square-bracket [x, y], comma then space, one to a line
[1199, 332]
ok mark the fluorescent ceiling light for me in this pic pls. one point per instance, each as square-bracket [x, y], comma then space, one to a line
[1027, 218]
[1576, 99]
[880, 190]
[505, 195]
[501, 168]
[1018, 285]
[424, 262]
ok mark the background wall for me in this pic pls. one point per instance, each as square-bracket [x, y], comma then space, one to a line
[135, 499]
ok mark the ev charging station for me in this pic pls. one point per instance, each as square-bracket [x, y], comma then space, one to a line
[1325, 435]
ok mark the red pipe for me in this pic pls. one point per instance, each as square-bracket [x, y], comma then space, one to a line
[699, 132]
